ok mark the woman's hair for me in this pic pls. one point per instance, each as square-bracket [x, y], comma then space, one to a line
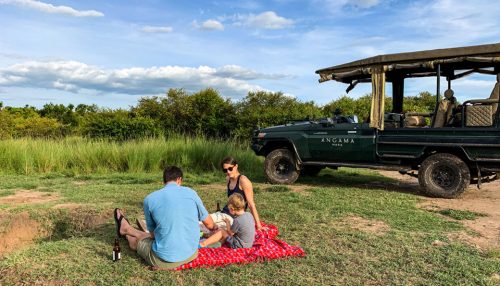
[228, 160]
[236, 202]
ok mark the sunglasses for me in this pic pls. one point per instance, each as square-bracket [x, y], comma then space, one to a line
[230, 169]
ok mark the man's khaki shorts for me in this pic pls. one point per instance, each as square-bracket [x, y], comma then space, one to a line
[146, 252]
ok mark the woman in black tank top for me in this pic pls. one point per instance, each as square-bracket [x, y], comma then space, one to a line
[237, 183]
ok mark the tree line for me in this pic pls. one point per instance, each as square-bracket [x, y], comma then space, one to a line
[205, 113]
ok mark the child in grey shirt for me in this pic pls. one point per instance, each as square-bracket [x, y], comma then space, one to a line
[241, 234]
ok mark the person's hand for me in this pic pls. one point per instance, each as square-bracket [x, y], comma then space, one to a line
[227, 221]
[216, 227]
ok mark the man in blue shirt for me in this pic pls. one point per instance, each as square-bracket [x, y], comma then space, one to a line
[172, 215]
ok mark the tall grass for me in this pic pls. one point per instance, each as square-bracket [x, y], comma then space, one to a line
[83, 156]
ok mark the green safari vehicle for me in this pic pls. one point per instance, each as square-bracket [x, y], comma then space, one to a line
[448, 148]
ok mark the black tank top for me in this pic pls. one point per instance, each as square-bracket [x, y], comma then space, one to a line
[235, 190]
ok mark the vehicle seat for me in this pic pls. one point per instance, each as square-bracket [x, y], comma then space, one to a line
[445, 109]
[495, 94]
[482, 112]
[414, 121]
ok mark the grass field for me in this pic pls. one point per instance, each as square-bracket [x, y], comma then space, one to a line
[76, 155]
[353, 233]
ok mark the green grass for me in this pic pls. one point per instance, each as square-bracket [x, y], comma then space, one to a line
[6, 193]
[77, 246]
[278, 188]
[461, 214]
[76, 155]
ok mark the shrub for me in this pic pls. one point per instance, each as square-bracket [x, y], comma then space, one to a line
[118, 125]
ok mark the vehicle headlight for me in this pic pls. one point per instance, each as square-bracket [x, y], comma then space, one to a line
[261, 135]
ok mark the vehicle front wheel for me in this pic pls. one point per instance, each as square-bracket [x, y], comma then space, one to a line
[280, 167]
[444, 175]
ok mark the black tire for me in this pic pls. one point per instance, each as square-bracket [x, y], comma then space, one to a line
[444, 175]
[311, 170]
[280, 167]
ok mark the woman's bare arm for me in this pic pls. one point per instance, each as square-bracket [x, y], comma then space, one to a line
[247, 187]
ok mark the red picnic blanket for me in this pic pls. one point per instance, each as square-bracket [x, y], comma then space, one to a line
[265, 247]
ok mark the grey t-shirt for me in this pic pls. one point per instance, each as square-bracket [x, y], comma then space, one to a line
[244, 231]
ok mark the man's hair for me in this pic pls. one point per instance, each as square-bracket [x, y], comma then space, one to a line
[236, 202]
[228, 160]
[171, 173]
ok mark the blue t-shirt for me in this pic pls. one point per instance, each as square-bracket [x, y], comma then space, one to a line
[173, 214]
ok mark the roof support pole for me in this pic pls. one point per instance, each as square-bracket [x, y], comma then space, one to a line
[438, 90]
[398, 85]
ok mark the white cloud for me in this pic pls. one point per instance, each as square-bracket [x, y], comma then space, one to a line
[212, 25]
[77, 77]
[453, 22]
[157, 29]
[238, 72]
[336, 6]
[49, 8]
[265, 20]
[364, 3]
[208, 25]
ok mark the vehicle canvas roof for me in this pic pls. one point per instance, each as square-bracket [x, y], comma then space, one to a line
[353, 70]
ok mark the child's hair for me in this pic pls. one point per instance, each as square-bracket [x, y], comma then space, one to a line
[236, 202]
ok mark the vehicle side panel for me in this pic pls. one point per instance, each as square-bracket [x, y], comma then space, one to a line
[477, 143]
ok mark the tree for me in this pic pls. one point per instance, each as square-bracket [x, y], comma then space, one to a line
[204, 112]
[118, 125]
[264, 108]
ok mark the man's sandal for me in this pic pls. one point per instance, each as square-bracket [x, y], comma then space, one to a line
[118, 223]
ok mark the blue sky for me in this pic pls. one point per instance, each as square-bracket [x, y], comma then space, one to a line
[111, 53]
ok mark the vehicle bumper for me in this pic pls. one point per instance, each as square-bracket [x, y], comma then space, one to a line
[256, 147]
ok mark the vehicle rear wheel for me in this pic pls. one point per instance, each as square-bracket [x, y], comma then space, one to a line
[444, 175]
[280, 167]
[311, 170]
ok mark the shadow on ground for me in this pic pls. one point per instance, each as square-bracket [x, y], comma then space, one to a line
[354, 179]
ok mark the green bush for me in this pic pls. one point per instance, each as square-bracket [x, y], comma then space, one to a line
[203, 113]
[118, 125]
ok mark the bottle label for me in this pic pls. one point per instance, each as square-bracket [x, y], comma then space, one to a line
[117, 256]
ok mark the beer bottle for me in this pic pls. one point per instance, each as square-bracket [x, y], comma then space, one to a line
[117, 255]
[218, 207]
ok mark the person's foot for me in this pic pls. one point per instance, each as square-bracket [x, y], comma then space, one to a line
[122, 222]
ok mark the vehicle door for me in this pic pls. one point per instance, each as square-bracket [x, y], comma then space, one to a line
[344, 142]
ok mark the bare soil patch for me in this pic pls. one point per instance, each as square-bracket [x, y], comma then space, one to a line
[371, 226]
[302, 189]
[28, 197]
[18, 231]
[485, 200]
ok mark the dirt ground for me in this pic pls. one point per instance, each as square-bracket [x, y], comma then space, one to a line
[20, 231]
[484, 232]
[28, 197]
